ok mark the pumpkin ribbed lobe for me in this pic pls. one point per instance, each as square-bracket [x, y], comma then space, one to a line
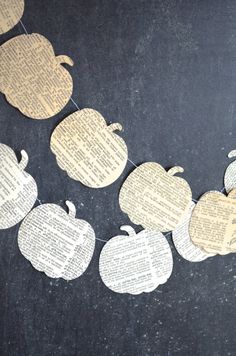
[24, 160]
[72, 209]
[174, 170]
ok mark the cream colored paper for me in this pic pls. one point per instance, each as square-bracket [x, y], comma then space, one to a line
[213, 223]
[135, 263]
[184, 244]
[154, 198]
[89, 150]
[32, 78]
[230, 173]
[11, 12]
[18, 190]
[55, 242]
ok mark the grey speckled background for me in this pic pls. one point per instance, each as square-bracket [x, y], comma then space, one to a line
[166, 70]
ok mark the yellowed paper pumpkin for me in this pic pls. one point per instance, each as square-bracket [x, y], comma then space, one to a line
[32, 78]
[89, 150]
[154, 198]
[11, 12]
[213, 223]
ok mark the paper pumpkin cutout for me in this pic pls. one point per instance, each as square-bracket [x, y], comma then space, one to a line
[89, 150]
[11, 12]
[213, 223]
[155, 198]
[55, 242]
[230, 173]
[32, 78]
[184, 244]
[136, 263]
[18, 189]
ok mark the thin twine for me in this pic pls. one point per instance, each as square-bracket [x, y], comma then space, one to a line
[78, 108]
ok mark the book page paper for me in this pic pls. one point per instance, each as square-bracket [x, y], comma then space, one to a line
[154, 198]
[89, 150]
[55, 242]
[18, 189]
[11, 12]
[136, 263]
[184, 244]
[32, 78]
[213, 223]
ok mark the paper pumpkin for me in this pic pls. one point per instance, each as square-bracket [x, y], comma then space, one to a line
[18, 189]
[154, 198]
[11, 12]
[89, 150]
[135, 263]
[230, 173]
[32, 78]
[213, 223]
[55, 242]
[184, 244]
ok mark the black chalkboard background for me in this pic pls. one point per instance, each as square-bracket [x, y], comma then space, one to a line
[166, 70]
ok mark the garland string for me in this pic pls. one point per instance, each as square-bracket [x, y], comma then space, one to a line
[78, 108]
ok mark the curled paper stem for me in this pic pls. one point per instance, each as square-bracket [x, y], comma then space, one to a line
[232, 154]
[174, 170]
[129, 229]
[24, 160]
[64, 59]
[115, 127]
[72, 209]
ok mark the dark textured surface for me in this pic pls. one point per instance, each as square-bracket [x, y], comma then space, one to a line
[166, 70]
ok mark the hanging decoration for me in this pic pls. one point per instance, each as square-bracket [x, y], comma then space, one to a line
[89, 150]
[230, 173]
[135, 263]
[18, 189]
[11, 12]
[55, 242]
[32, 78]
[154, 198]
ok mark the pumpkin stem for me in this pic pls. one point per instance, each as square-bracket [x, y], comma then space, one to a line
[72, 209]
[64, 59]
[232, 194]
[172, 171]
[24, 160]
[115, 127]
[129, 229]
[232, 154]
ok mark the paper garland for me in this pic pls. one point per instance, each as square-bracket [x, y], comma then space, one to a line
[18, 190]
[183, 243]
[213, 223]
[154, 198]
[55, 242]
[89, 150]
[135, 263]
[11, 12]
[230, 174]
[32, 78]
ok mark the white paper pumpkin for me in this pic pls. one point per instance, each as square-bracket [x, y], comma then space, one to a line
[18, 189]
[184, 244]
[55, 242]
[135, 263]
[230, 174]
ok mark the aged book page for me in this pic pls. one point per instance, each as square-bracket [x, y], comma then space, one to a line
[184, 244]
[55, 242]
[213, 223]
[89, 150]
[11, 12]
[154, 198]
[18, 190]
[32, 78]
[136, 263]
